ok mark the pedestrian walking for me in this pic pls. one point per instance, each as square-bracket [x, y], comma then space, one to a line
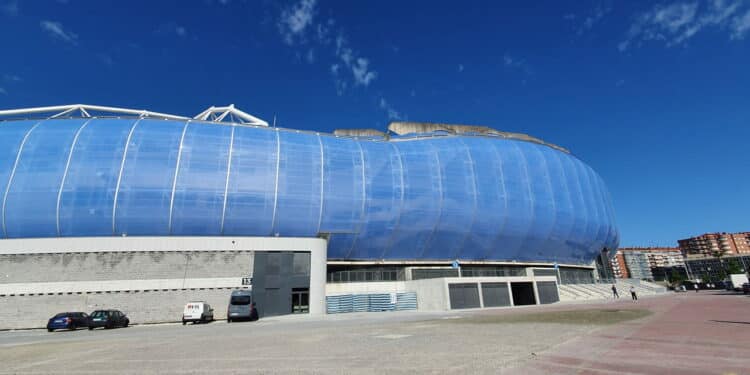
[614, 291]
[695, 286]
[632, 293]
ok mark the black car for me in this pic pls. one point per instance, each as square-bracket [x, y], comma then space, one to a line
[108, 319]
[68, 320]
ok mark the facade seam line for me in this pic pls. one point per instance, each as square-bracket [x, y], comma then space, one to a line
[176, 174]
[276, 183]
[119, 176]
[532, 216]
[226, 183]
[472, 168]
[13, 172]
[65, 175]
[505, 200]
[440, 206]
[401, 204]
[322, 174]
[364, 200]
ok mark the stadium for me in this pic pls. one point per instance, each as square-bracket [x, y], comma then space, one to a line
[105, 204]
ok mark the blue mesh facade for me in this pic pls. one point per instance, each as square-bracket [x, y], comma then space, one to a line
[440, 197]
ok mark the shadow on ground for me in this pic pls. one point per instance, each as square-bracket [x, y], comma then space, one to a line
[589, 317]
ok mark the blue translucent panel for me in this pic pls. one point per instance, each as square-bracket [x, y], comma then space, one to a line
[491, 210]
[88, 194]
[31, 206]
[592, 216]
[343, 191]
[604, 218]
[299, 200]
[340, 245]
[575, 240]
[561, 194]
[458, 202]
[421, 205]
[252, 183]
[543, 215]
[201, 180]
[384, 189]
[519, 214]
[145, 191]
[12, 135]
[597, 241]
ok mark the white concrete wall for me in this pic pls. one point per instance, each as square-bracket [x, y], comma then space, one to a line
[140, 307]
[57, 267]
[128, 264]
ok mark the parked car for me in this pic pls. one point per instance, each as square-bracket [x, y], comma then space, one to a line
[197, 312]
[68, 320]
[746, 288]
[108, 319]
[241, 306]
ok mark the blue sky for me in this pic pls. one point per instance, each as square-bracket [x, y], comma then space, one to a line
[654, 96]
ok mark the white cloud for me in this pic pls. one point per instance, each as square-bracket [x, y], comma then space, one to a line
[392, 113]
[740, 26]
[460, 68]
[11, 78]
[295, 20]
[516, 63]
[172, 28]
[362, 75]
[2, 91]
[676, 23]
[599, 12]
[56, 30]
[9, 8]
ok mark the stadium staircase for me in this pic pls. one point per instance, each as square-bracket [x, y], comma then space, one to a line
[602, 291]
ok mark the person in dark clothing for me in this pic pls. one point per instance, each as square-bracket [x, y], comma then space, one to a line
[695, 286]
[632, 294]
[614, 291]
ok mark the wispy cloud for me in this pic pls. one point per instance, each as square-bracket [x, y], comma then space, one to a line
[172, 28]
[511, 62]
[392, 113]
[295, 20]
[3, 92]
[594, 17]
[317, 39]
[740, 26]
[57, 31]
[9, 8]
[676, 23]
[11, 78]
[460, 68]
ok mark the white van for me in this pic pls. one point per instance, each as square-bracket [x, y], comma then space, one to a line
[197, 312]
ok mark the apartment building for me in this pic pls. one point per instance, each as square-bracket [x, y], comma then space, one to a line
[706, 245]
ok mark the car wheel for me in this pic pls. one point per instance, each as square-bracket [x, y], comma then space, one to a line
[229, 320]
[184, 322]
[126, 323]
[91, 328]
[50, 329]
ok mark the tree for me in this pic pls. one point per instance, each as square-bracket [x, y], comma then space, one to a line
[733, 267]
[718, 254]
[675, 278]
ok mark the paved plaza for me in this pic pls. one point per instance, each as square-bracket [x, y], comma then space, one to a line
[689, 333]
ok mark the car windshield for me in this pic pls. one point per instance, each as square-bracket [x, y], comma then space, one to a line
[100, 314]
[60, 315]
[240, 300]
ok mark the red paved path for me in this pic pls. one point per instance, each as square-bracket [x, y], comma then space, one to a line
[689, 333]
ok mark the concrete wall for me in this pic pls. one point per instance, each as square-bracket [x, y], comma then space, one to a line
[69, 274]
[58, 267]
[140, 307]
